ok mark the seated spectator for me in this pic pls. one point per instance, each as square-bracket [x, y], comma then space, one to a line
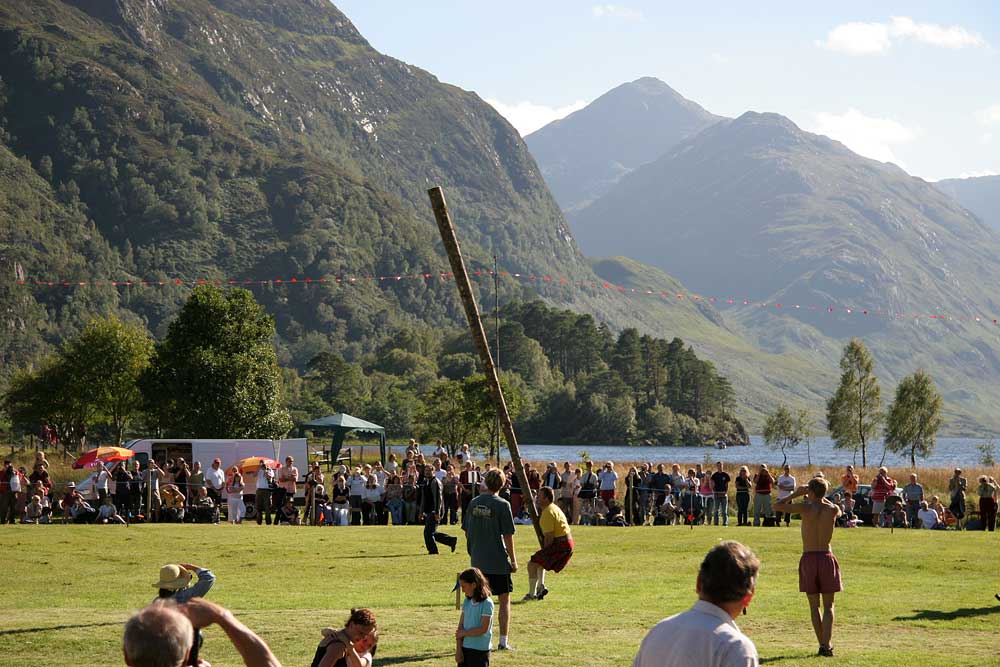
[691, 505]
[173, 504]
[288, 514]
[69, 498]
[203, 509]
[324, 510]
[897, 513]
[522, 518]
[615, 515]
[667, 512]
[108, 513]
[929, 518]
[81, 511]
[353, 646]
[33, 511]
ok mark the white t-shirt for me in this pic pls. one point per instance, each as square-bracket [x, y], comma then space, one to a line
[391, 467]
[373, 495]
[216, 479]
[928, 518]
[441, 474]
[103, 477]
[608, 479]
[263, 477]
[785, 484]
[357, 485]
[705, 635]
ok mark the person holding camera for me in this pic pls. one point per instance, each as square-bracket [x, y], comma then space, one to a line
[164, 635]
[262, 495]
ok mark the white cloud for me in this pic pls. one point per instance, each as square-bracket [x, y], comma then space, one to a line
[527, 117]
[948, 37]
[616, 12]
[858, 39]
[719, 58]
[989, 116]
[865, 135]
[986, 139]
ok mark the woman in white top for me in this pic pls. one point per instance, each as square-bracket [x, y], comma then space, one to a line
[234, 496]
[371, 501]
[785, 484]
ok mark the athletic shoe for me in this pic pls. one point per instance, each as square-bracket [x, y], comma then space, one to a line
[826, 651]
[505, 647]
[542, 593]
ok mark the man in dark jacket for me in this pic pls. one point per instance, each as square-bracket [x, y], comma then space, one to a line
[431, 511]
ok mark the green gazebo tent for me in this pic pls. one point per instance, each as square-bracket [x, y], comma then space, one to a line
[340, 425]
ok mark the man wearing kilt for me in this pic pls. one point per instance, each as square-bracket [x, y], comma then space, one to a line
[558, 545]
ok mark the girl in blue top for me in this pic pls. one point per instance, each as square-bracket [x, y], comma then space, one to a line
[475, 627]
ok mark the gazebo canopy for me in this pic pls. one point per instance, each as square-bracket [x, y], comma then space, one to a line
[340, 425]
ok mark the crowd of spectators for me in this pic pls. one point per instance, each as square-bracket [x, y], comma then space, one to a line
[176, 491]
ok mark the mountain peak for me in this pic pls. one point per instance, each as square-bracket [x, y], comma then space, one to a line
[765, 119]
[584, 154]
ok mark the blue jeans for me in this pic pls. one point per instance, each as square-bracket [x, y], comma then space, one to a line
[721, 507]
[396, 510]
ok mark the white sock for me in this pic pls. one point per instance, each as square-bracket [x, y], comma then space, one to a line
[541, 581]
[532, 585]
[503, 640]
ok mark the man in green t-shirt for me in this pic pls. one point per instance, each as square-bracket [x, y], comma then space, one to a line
[489, 536]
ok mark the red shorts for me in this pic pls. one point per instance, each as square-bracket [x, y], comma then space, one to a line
[555, 556]
[607, 495]
[819, 572]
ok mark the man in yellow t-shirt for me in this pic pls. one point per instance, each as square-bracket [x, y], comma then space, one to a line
[558, 545]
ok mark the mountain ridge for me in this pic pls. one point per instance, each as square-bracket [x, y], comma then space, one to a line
[583, 155]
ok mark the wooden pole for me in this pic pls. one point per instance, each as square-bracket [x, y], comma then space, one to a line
[451, 246]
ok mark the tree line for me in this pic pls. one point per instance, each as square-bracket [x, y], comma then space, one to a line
[855, 416]
[215, 373]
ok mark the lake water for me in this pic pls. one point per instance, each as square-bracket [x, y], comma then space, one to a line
[948, 452]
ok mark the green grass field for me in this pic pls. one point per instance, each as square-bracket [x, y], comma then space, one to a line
[913, 598]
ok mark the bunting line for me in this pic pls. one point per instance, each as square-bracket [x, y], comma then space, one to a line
[713, 301]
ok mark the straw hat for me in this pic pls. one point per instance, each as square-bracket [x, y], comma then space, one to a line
[173, 578]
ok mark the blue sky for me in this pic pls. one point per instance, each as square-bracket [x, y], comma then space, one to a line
[914, 83]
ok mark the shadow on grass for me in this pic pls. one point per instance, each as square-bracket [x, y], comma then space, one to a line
[54, 628]
[410, 659]
[776, 658]
[409, 555]
[935, 615]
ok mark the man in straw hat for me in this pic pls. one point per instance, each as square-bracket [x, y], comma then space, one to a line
[175, 582]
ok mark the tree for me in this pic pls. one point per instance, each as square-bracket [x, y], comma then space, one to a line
[854, 413]
[914, 417]
[448, 412]
[49, 395]
[485, 409]
[785, 430]
[105, 363]
[216, 373]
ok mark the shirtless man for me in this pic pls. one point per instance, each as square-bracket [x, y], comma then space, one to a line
[819, 572]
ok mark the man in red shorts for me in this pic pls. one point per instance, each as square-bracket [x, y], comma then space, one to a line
[558, 545]
[819, 572]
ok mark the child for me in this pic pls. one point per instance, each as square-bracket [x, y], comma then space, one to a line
[108, 513]
[33, 511]
[475, 626]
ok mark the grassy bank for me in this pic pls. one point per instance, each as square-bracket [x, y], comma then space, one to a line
[913, 598]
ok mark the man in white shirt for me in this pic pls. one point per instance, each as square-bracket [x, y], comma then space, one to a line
[785, 484]
[215, 482]
[102, 479]
[928, 517]
[706, 635]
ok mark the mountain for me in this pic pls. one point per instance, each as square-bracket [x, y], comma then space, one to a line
[980, 194]
[757, 209]
[583, 155]
[234, 139]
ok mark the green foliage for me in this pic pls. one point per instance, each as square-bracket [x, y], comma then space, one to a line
[914, 417]
[92, 381]
[854, 413]
[786, 430]
[215, 374]
[987, 452]
[105, 363]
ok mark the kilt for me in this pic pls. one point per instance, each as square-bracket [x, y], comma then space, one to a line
[555, 556]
